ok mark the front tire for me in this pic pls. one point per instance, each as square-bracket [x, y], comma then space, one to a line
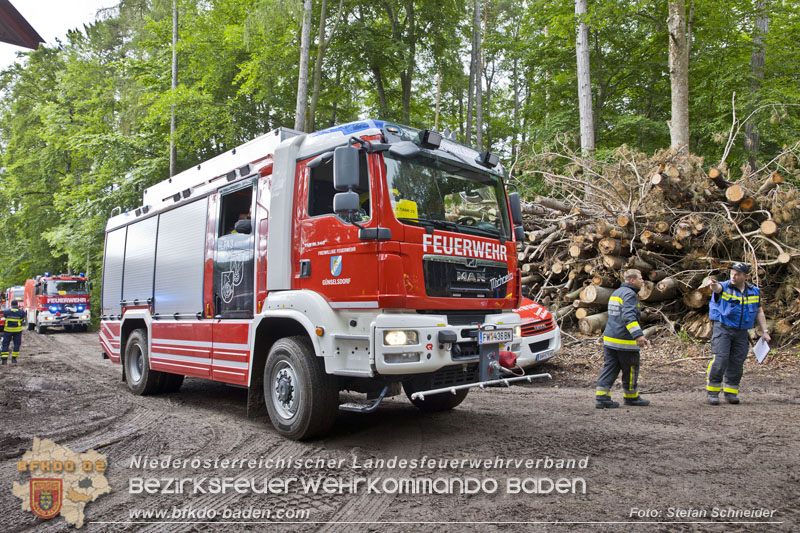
[302, 400]
[40, 329]
[141, 379]
[435, 402]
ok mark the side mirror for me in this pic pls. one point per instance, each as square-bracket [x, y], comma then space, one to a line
[90, 285]
[525, 291]
[345, 203]
[516, 208]
[345, 168]
[519, 234]
[404, 150]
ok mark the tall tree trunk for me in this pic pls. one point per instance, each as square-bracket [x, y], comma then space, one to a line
[384, 107]
[515, 116]
[322, 47]
[302, 77]
[438, 99]
[407, 77]
[479, 88]
[584, 80]
[678, 75]
[473, 68]
[173, 151]
[757, 56]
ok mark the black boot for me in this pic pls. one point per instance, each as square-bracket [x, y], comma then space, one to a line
[731, 397]
[3, 361]
[14, 360]
[638, 401]
[605, 402]
[712, 399]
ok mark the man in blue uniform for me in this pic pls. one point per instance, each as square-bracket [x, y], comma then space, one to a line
[622, 339]
[13, 331]
[734, 307]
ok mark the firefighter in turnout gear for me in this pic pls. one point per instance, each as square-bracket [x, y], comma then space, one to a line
[622, 339]
[734, 307]
[13, 331]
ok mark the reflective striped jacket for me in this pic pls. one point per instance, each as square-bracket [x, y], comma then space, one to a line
[14, 318]
[733, 308]
[623, 326]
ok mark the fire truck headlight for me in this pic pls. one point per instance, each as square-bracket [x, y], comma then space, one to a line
[518, 331]
[48, 317]
[400, 337]
[84, 317]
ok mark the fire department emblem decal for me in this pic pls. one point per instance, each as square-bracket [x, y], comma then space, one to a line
[46, 497]
[336, 265]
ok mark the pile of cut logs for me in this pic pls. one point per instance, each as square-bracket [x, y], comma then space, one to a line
[679, 224]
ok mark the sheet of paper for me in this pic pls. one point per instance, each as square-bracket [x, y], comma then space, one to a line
[761, 349]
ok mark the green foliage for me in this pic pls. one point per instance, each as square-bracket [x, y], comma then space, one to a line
[85, 126]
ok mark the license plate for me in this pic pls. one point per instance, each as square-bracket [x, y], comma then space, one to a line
[495, 336]
[545, 355]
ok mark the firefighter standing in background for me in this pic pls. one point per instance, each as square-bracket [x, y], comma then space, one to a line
[622, 339]
[13, 330]
[733, 308]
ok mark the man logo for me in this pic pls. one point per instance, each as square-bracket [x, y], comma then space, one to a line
[336, 265]
[46, 497]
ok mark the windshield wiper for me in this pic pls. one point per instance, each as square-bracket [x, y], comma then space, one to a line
[442, 224]
[461, 228]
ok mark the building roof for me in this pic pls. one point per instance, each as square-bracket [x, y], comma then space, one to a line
[14, 29]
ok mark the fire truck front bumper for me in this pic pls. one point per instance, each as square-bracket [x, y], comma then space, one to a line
[49, 319]
[416, 344]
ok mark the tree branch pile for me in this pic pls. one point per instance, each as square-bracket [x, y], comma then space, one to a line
[671, 217]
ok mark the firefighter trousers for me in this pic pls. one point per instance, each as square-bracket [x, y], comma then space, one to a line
[729, 346]
[615, 361]
[7, 338]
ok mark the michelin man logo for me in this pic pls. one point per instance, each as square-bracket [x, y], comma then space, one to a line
[230, 279]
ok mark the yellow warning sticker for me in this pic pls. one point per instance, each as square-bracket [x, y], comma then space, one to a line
[406, 209]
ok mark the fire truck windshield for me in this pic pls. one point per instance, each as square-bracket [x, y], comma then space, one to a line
[437, 192]
[64, 287]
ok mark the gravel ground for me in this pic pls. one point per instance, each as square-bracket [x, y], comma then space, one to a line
[678, 465]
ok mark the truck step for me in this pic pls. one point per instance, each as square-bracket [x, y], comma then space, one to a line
[355, 407]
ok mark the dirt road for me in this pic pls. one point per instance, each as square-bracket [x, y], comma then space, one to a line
[676, 465]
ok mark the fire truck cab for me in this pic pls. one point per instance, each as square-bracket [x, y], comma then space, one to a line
[363, 257]
[57, 301]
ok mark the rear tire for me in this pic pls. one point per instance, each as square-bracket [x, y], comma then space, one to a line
[435, 402]
[141, 379]
[302, 400]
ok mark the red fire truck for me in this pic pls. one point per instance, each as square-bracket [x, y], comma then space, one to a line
[363, 257]
[57, 301]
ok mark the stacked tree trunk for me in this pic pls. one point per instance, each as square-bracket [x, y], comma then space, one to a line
[677, 222]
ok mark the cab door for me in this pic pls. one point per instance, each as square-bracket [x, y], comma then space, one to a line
[329, 257]
[233, 282]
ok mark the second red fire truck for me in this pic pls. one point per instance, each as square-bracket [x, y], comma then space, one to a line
[57, 301]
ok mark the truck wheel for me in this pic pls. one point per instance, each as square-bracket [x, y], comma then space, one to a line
[302, 400]
[31, 324]
[141, 380]
[68, 328]
[436, 402]
[40, 329]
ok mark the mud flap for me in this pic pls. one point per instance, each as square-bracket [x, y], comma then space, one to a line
[256, 408]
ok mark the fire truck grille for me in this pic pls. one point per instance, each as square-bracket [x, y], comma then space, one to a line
[461, 277]
[454, 375]
[535, 328]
